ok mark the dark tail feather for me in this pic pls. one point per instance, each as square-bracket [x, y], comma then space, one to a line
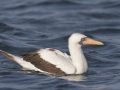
[7, 55]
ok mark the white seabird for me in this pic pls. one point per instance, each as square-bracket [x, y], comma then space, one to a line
[52, 61]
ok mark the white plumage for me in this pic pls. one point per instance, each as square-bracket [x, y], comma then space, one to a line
[59, 59]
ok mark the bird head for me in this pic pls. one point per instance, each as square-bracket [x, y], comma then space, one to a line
[81, 39]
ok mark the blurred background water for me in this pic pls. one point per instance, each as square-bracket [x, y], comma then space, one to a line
[28, 25]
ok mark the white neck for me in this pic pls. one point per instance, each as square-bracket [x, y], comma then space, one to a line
[78, 58]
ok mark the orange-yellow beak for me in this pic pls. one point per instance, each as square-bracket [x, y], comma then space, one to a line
[90, 41]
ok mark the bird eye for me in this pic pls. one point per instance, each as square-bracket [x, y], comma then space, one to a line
[83, 39]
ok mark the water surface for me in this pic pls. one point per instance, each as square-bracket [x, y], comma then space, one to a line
[29, 25]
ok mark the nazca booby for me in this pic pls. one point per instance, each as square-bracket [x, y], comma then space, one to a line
[52, 61]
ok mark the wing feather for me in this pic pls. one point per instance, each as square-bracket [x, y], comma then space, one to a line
[59, 59]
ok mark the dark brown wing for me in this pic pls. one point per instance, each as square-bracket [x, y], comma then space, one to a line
[35, 59]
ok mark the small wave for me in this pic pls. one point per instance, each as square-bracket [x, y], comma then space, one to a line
[5, 73]
[61, 2]
[115, 71]
[64, 38]
[24, 5]
[102, 15]
[42, 21]
[104, 31]
[7, 30]
[91, 72]
[4, 27]
[110, 4]
[56, 41]
[17, 6]
[96, 63]
[115, 55]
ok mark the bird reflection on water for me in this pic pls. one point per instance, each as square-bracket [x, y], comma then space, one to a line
[78, 77]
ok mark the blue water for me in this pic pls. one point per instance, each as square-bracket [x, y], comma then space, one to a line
[28, 25]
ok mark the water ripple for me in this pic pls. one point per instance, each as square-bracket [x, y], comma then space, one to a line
[104, 31]
[58, 2]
